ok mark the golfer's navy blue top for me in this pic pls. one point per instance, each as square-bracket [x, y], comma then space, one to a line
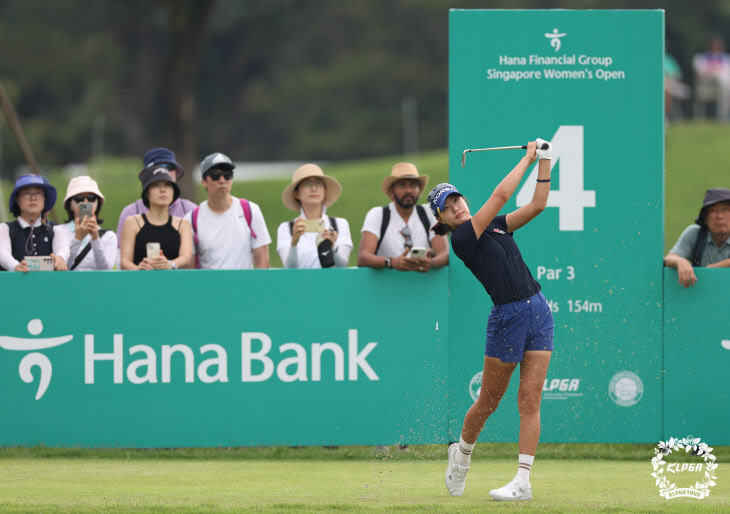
[495, 260]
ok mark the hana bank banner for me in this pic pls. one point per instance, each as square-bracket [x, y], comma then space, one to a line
[209, 358]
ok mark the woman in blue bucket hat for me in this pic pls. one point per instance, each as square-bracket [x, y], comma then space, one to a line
[520, 325]
[25, 240]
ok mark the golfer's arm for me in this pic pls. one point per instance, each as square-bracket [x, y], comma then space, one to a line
[527, 213]
[500, 196]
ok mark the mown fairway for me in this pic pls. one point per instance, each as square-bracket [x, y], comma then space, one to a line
[351, 480]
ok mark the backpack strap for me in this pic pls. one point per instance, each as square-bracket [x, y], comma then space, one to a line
[194, 219]
[247, 214]
[700, 244]
[383, 226]
[333, 223]
[86, 250]
[424, 219]
[291, 227]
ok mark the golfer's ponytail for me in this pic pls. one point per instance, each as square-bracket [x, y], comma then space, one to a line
[441, 229]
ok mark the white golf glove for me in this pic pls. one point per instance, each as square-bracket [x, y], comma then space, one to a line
[544, 154]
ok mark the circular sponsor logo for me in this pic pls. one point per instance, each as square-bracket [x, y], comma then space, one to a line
[668, 477]
[475, 385]
[626, 388]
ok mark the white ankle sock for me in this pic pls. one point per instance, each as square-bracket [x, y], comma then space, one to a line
[524, 467]
[463, 453]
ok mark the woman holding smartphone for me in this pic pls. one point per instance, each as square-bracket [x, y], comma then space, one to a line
[313, 239]
[91, 247]
[28, 239]
[170, 238]
[520, 325]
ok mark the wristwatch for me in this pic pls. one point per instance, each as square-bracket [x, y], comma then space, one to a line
[387, 263]
[173, 265]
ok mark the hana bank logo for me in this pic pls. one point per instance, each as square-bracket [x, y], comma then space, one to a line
[35, 327]
[555, 39]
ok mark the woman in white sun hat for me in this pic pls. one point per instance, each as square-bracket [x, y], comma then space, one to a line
[313, 239]
[92, 247]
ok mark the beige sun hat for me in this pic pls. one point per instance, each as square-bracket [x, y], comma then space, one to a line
[83, 184]
[400, 171]
[333, 188]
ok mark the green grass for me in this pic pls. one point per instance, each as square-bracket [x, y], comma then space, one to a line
[87, 485]
[436, 452]
[695, 161]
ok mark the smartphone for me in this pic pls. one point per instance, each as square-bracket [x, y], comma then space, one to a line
[153, 250]
[86, 209]
[39, 262]
[418, 252]
[314, 225]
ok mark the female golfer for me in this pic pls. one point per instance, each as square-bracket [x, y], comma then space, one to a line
[520, 326]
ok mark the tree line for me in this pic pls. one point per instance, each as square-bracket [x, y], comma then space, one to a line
[257, 79]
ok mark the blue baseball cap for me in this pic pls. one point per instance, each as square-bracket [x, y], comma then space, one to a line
[157, 157]
[34, 180]
[438, 195]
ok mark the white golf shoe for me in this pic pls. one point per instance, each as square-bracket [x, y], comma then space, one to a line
[455, 474]
[514, 491]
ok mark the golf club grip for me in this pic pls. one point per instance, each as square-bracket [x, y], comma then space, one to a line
[545, 146]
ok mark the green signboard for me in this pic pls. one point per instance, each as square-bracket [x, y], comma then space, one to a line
[591, 82]
[223, 358]
[697, 357]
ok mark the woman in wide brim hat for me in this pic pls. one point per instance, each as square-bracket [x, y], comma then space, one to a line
[32, 197]
[87, 232]
[173, 235]
[291, 197]
[313, 240]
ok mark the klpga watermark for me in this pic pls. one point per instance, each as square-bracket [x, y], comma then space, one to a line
[667, 474]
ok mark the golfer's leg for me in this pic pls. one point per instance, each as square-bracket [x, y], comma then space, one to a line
[495, 379]
[533, 370]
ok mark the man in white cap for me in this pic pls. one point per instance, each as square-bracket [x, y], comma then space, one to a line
[229, 232]
[389, 233]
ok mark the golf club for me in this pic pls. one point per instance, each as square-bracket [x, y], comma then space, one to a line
[545, 146]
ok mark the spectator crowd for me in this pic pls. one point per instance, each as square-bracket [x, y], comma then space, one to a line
[163, 231]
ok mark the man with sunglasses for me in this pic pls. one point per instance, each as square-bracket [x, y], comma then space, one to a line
[389, 233]
[159, 158]
[229, 232]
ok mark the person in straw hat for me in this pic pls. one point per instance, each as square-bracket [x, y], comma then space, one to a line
[313, 239]
[92, 248]
[389, 233]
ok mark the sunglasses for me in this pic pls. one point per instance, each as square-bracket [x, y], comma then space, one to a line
[216, 174]
[406, 233]
[166, 165]
[89, 197]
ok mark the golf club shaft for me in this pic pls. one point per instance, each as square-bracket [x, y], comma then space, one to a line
[545, 146]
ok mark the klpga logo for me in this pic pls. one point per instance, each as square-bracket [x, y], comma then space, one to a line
[684, 471]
